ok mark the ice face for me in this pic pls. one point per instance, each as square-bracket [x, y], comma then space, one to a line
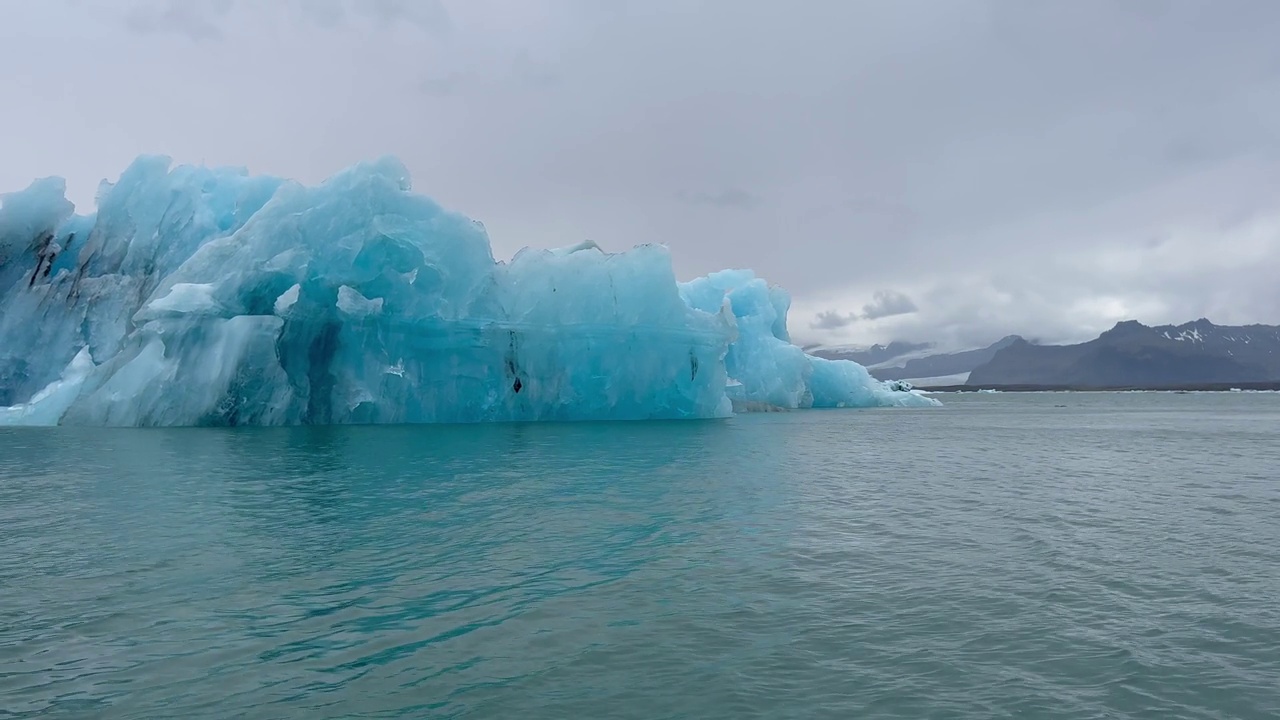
[765, 368]
[200, 296]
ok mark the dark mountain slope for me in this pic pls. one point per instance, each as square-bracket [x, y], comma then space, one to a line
[870, 356]
[946, 363]
[1134, 355]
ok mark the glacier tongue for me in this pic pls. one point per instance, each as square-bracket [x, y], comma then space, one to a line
[199, 296]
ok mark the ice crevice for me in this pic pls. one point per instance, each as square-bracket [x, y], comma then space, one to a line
[209, 296]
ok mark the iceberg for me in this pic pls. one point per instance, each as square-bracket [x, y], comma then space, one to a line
[200, 296]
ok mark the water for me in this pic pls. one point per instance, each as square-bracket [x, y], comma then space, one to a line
[1049, 556]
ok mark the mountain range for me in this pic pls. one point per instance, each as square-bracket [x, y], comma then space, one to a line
[1129, 355]
[1135, 355]
[913, 361]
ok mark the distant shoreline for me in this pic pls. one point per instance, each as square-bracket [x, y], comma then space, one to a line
[1202, 387]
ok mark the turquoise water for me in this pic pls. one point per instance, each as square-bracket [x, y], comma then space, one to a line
[1047, 556]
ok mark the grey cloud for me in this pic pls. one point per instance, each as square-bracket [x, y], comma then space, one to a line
[446, 85]
[1072, 297]
[533, 72]
[326, 13]
[197, 20]
[833, 320]
[965, 153]
[878, 205]
[427, 15]
[729, 198]
[885, 303]
[201, 20]
[888, 303]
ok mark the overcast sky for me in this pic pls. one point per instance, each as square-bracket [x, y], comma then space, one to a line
[942, 170]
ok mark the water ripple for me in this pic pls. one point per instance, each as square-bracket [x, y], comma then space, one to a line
[999, 557]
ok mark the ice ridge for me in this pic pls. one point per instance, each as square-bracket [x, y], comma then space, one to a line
[202, 296]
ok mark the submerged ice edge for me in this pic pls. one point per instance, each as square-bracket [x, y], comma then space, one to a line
[199, 296]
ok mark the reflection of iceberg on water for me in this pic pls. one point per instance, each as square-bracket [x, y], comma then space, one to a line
[209, 297]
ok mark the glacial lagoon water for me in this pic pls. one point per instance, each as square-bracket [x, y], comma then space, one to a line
[1046, 556]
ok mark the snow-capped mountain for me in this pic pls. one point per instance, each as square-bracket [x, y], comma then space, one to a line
[1135, 355]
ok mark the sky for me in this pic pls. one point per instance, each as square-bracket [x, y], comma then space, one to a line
[947, 171]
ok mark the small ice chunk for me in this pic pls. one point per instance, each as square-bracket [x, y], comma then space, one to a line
[184, 299]
[287, 299]
[47, 406]
[355, 305]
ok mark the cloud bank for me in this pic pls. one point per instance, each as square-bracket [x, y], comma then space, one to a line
[1000, 165]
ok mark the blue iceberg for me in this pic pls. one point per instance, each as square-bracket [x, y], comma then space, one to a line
[199, 296]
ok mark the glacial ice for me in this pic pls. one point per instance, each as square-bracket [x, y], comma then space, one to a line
[199, 296]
